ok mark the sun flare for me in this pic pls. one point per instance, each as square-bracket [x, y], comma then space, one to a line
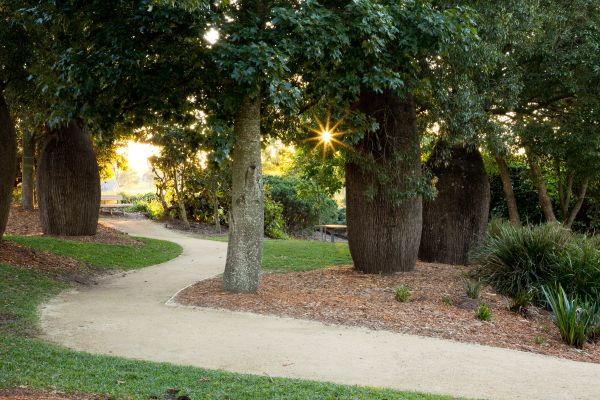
[327, 135]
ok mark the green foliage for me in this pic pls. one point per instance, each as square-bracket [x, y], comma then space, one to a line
[402, 294]
[514, 259]
[540, 340]
[108, 256]
[472, 287]
[274, 224]
[521, 301]
[300, 212]
[147, 203]
[483, 312]
[447, 300]
[572, 316]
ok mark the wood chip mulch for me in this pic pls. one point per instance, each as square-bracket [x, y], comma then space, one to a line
[341, 295]
[27, 223]
[27, 394]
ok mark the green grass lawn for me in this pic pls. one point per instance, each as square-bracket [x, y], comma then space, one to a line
[105, 255]
[303, 255]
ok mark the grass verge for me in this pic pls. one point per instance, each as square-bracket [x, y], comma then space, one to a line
[303, 255]
[108, 256]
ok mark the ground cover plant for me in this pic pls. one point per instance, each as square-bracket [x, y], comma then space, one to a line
[514, 260]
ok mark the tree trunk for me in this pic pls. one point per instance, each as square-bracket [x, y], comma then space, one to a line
[457, 219]
[542, 192]
[246, 222]
[509, 194]
[8, 162]
[27, 169]
[582, 192]
[384, 230]
[216, 212]
[179, 195]
[68, 182]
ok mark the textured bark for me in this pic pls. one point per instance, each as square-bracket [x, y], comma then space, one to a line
[68, 182]
[8, 162]
[384, 234]
[27, 170]
[246, 221]
[457, 218]
[216, 213]
[509, 194]
[540, 185]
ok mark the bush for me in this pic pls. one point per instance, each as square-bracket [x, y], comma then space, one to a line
[573, 318]
[483, 312]
[147, 203]
[402, 294]
[299, 213]
[472, 287]
[274, 225]
[513, 260]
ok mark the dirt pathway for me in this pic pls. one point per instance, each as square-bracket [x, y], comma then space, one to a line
[126, 316]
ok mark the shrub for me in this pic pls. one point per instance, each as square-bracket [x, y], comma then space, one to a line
[514, 260]
[147, 203]
[483, 312]
[402, 294]
[447, 300]
[472, 287]
[571, 316]
[274, 225]
[521, 301]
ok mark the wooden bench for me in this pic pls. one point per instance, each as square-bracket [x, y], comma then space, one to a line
[332, 228]
[113, 203]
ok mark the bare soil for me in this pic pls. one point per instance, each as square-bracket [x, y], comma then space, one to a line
[27, 223]
[341, 295]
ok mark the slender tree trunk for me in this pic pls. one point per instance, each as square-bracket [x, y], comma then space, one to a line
[69, 182]
[246, 221]
[27, 169]
[216, 211]
[540, 184]
[509, 194]
[180, 202]
[8, 162]
[456, 220]
[383, 230]
[582, 192]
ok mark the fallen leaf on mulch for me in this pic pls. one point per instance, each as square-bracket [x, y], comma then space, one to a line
[341, 295]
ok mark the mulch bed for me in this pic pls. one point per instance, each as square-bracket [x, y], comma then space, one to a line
[27, 394]
[27, 223]
[199, 228]
[341, 295]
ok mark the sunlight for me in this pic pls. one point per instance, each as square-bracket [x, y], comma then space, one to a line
[327, 134]
[137, 155]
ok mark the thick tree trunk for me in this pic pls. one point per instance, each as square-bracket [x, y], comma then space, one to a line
[582, 192]
[540, 184]
[384, 231]
[509, 194]
[457, 218]
[27, 185]
[246, 221]
[68, 182]
[8, 162]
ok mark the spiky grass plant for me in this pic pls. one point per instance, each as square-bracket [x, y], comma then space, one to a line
[570, 315]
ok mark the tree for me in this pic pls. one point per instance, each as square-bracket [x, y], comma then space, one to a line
[456, 220]
[8, 162]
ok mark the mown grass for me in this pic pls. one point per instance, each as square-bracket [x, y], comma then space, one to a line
[108, 256]
[303, 255]
[26, 361]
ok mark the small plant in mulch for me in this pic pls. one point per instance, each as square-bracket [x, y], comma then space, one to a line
[483, 312]
[472, 287]
[447, 300]
[402, 294]
[521, 302]
[540, 341]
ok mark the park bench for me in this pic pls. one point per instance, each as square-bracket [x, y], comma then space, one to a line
[331, 229]
[113, 203]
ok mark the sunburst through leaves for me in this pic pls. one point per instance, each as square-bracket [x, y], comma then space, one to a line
[328, 135]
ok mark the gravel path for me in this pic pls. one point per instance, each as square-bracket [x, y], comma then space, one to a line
[126, 315]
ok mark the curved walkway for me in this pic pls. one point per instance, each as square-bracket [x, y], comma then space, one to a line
[126, 315]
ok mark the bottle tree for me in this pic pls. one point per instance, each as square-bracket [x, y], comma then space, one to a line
[101, 65]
